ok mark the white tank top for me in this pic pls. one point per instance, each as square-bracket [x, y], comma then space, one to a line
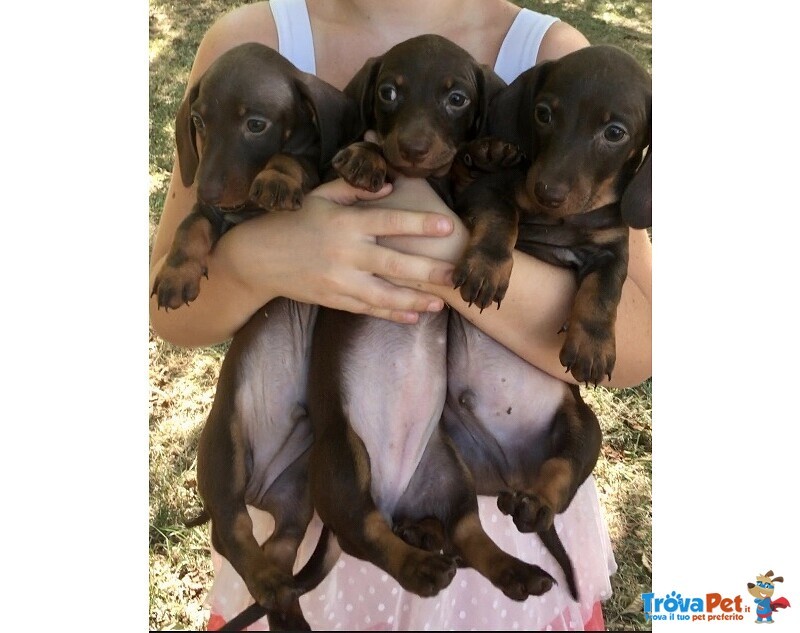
[517, 53]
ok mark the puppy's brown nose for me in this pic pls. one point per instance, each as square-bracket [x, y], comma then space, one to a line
[550, 195]
[414, 149]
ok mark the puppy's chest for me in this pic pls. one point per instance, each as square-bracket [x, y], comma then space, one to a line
[393, 390]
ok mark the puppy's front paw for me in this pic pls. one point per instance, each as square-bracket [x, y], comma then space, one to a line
[490, 154]
[274, 190]
[589, 354]
[361, 166]
[176, 285]
[483, 277]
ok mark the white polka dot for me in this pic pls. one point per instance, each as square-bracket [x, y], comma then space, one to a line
[339, 595]
[556, 610]
[349, 607]
[371, 590]
[405, 607]
[363, 570]
[351, 581]
[338, 625]
[453, 602]
[474, 601]
[385, 577]
[331, 616]
[494, 518]
[503, 613]
[462, 615]
[515, 625]
[321, 598]
[463, 583]
[361, 598]
[390, 619]
[494, 604]
[381, 607]
[394, 591]
[340, 564]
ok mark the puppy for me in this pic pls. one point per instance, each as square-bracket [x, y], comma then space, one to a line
[583, 123]
[266, 132]
[377, 389]
[266, 135]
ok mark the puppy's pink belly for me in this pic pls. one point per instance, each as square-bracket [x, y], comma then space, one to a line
[509, 397]
[394, 388]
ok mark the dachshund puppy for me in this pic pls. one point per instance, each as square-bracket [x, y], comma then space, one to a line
[381, 465]
[266, 134]
[582, 123]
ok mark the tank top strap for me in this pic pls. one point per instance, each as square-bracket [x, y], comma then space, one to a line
[295, 41]
[521, 44]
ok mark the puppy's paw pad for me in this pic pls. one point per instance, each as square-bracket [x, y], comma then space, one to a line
[175, 286]
[275, 191]
[589, 355]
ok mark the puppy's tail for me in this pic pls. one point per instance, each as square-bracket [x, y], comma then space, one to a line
[325, 555]
[200, 519]
[554, 545]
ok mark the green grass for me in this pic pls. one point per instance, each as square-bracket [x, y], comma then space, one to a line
[182, 381]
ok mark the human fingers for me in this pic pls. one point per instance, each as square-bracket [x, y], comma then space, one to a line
[377, 297]
[386, 222]
[391, 263]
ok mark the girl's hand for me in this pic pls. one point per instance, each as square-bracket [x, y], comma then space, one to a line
[331, 252]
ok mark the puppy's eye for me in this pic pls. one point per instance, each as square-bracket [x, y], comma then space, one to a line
[457, 99]
[542, 114]
[387, 93]
[197, 121]
[256, 126]
[614, 133]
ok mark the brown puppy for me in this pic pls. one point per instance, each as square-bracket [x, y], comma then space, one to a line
[266, 131]
[583, 123]
[376, 388]
[266, 134]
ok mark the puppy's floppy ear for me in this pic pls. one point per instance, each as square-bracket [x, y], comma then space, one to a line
[335, 114]
[489, 85]
[637, 199]
[361, 88]
[185, 140]
[511, 111]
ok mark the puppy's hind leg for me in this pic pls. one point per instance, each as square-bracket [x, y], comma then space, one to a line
[443, 486]
[341, 486]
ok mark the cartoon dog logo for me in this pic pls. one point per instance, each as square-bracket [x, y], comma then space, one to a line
[762, 590]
